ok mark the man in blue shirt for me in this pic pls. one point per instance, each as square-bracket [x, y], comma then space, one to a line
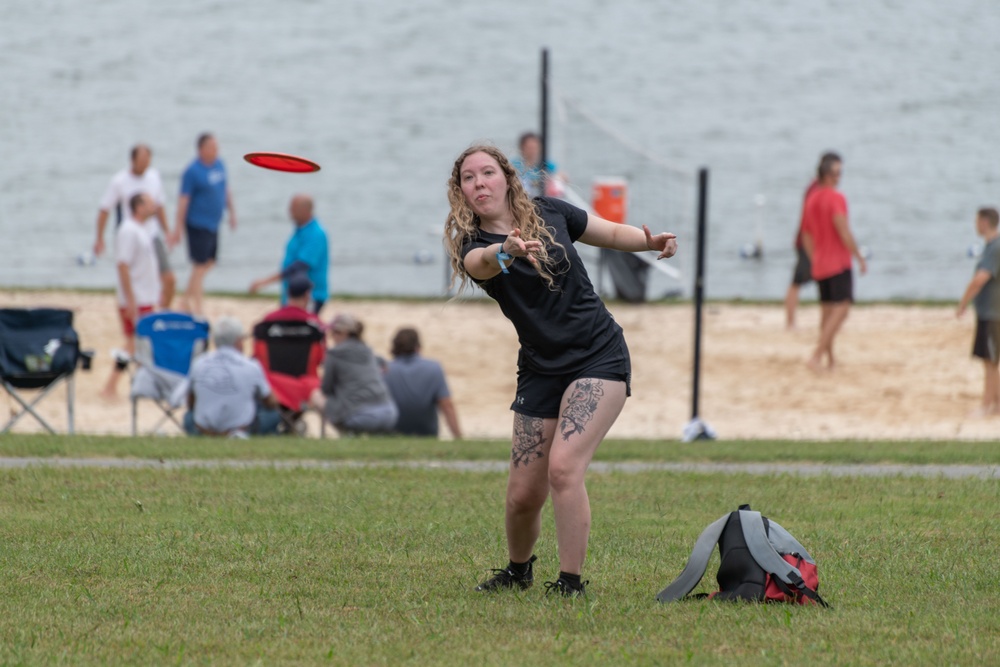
[307, 251]
[204, 198]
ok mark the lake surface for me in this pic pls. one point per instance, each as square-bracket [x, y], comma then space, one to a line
[384, 94]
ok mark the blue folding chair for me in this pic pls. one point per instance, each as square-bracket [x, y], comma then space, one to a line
[39, 350]
[165, 345]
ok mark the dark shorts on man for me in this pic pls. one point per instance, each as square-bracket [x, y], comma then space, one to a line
[540, 394]
[986, 344]
[838, 288]
[161, 255]
[803, 269]
[203, 244]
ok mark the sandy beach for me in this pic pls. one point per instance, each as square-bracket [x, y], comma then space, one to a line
[903, 371]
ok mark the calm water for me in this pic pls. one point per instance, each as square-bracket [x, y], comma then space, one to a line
[385, 93]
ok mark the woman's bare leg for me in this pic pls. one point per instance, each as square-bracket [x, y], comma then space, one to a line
[589, 408]
[527, 484]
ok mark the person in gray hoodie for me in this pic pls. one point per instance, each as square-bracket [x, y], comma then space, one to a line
[353, 396]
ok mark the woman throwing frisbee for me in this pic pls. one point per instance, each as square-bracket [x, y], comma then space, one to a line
[573, 367]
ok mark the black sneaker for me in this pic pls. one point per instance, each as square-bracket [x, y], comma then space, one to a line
[566, 589]
[505, 578]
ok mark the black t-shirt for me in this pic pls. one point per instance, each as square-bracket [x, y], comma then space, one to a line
[562, 327]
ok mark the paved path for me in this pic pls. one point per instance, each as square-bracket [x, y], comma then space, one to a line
[798, 469]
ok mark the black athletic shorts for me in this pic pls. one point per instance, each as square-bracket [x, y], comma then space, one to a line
[803, 269]
[203, 244]
[539, 394]
[837, 288]
[987, 342]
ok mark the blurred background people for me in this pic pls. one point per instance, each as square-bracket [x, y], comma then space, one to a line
[419, 389]
[307, 251]
[352, 395]
[229, 395]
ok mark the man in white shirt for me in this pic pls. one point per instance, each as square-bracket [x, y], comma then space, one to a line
[138, 286]
[229, 395]
[139, 177]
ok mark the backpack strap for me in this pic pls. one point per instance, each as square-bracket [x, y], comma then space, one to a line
[763, 552]
[697, 562]
[784, 543]
[804, 591]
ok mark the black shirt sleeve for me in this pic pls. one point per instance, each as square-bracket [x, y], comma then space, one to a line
[576, 218]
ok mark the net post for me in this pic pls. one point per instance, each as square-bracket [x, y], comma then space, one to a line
[696, 428]
[543, 125]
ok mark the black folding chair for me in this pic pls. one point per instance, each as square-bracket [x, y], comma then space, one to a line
[39, 350]
[291, 351]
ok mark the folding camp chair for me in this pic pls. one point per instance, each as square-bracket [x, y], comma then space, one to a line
[290, 352]
[39, 349]
[165, 345]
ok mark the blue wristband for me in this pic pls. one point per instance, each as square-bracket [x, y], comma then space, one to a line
[503, 257]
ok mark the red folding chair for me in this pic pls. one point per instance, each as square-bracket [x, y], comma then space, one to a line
[291, 352]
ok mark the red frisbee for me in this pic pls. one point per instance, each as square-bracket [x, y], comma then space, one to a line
[281, 162]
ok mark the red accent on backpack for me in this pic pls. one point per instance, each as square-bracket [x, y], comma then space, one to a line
[773, 588]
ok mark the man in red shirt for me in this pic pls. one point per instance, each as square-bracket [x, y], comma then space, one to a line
[830, 245]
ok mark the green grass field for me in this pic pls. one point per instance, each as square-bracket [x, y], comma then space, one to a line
[374, 566]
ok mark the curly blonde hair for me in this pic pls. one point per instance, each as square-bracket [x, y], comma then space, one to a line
[462, 223]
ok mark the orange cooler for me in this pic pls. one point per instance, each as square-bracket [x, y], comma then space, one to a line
[609, 198]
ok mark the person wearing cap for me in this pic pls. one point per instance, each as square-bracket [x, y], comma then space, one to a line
[228, 393]
[353, 396]
[297, 305]
[419, 389]
[307, 251]
[292, 365]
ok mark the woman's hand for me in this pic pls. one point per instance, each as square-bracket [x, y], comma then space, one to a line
[515, 246]
[666, 243]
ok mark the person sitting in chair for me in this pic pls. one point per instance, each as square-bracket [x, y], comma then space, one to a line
[288, 343]
[229, 395]
[353, 395]
[300, 290]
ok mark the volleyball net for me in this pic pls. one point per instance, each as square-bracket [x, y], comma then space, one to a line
[600, 164]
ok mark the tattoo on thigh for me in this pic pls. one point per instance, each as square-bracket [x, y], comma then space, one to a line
[581, 406]
[527, 440]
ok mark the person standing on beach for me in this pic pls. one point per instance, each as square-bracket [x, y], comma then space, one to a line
[830, 246]
[573, 367]
[204, 197]
[984, 292]
[307, 251]
[803, 268]
[138, 286]
[139, 177]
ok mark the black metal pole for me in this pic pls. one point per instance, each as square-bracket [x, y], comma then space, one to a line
[699, 285]
[544, 123]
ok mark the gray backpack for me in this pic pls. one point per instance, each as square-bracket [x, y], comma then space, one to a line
[761, 562]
